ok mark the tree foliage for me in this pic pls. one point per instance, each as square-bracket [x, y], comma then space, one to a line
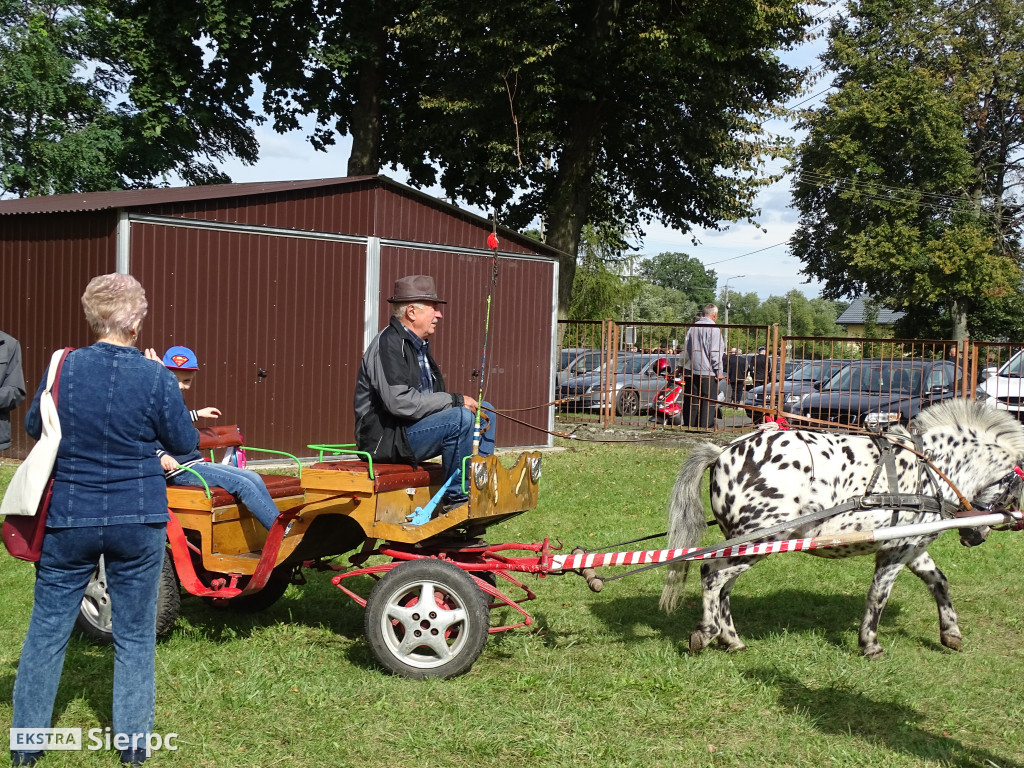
[101, 94]
[681, 273]
[610, 112]
[601, 291]
[908, 182]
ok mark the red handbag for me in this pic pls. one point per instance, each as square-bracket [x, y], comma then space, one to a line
[23, 535]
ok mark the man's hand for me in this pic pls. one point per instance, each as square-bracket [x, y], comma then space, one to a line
[208, 413]
[470, 403]
[168, 463]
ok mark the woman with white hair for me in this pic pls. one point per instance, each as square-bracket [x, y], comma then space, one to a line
[109, 499]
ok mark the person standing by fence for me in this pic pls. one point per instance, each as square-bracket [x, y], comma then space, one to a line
[705, 350]
[736, 367]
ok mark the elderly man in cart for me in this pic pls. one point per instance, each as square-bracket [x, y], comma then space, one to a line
[404, 413]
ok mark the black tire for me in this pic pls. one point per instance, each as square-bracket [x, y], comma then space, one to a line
[627, 403]
[453, 631]
[272, 591]
[94, 614]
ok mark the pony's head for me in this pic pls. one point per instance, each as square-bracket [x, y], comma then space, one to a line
[990, 474]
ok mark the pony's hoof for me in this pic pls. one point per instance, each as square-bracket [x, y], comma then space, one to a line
[953, 642]
[698, 641]
[874, 654]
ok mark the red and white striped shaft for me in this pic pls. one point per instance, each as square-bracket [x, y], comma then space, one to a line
[605, 559]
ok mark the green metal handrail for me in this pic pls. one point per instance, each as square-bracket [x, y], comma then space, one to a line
[202, 480]
[340, 449]
[279, 453]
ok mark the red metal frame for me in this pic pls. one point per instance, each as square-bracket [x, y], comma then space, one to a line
[484, 558]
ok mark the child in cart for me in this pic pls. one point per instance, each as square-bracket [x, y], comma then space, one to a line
[247, 487]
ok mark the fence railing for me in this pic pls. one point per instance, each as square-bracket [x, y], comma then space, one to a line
[612, 373]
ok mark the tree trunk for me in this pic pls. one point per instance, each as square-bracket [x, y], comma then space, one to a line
[570, 208]
[959, 316]
[366, 122]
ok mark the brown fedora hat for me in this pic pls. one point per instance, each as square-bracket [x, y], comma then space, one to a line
[415, 288]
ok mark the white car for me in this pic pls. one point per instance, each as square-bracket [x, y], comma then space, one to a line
[1004, 387]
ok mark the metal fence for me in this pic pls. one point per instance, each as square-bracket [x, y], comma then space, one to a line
[621, 373]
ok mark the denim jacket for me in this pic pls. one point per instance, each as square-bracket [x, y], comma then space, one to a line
[115, 408]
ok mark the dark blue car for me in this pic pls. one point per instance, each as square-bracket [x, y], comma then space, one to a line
[805, 378]
[879, 393]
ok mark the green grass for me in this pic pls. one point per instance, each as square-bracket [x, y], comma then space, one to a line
[600, 679]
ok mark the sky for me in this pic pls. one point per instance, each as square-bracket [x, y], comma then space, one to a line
[752, 259]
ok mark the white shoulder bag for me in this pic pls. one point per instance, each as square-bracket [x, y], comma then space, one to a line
[29, 482]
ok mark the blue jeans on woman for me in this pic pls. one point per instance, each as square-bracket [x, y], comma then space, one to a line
[244, 485]
[449, 434]
[133, 555]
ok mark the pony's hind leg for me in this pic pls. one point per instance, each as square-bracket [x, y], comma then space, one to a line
[717, 579]
[925, 569]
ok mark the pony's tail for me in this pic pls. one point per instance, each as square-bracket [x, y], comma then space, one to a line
[686, 523]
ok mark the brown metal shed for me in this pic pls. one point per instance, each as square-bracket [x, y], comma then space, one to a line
[278, 287]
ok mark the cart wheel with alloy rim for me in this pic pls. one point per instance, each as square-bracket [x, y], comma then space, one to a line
[94, 614]
[427, 618]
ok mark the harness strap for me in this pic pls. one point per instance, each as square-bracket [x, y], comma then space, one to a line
[911, 502]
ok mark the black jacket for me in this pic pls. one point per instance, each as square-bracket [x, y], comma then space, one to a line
[388, 398]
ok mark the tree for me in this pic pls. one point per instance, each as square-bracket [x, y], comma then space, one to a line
[76, 113]
[56, 133]
[578, 111]
[601, 291]
[681, 273]
[906, 183]
[589, 111]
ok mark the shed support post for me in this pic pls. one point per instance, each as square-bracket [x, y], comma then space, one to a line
[122, 262]
[371, 310]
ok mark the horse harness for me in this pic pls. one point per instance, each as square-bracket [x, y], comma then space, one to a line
[898, 502]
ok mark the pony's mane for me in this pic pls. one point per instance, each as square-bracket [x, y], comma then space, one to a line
[1001, 426]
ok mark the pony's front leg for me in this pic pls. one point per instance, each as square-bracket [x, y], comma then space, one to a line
[717, 579]
[888, 564]
[925, 569]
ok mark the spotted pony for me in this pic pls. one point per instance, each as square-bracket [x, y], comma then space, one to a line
[767, 479]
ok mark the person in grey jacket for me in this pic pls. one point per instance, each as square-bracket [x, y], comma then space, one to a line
[12, 385]
[404, 413]
[704, 351]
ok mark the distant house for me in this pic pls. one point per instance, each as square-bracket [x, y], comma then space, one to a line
[855, 317]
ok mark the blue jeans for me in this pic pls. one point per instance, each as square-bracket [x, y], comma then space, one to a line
[449, 434]
[133, 555]
[244, 485]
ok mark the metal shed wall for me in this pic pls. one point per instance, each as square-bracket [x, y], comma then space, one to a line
[289, 280]
[245, 301]
[45, 264]
[519, 342]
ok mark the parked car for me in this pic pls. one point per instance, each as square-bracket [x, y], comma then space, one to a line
[576, 361]
[1003, 388]
[635, 383]
[805, 378]
[880, 393]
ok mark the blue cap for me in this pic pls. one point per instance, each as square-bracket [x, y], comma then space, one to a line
[181, 359]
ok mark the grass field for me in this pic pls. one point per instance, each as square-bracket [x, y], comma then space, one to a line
[601, 679]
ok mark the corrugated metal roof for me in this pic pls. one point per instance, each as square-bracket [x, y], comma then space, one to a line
[148, 198]
[136, 198]
[855, 314]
